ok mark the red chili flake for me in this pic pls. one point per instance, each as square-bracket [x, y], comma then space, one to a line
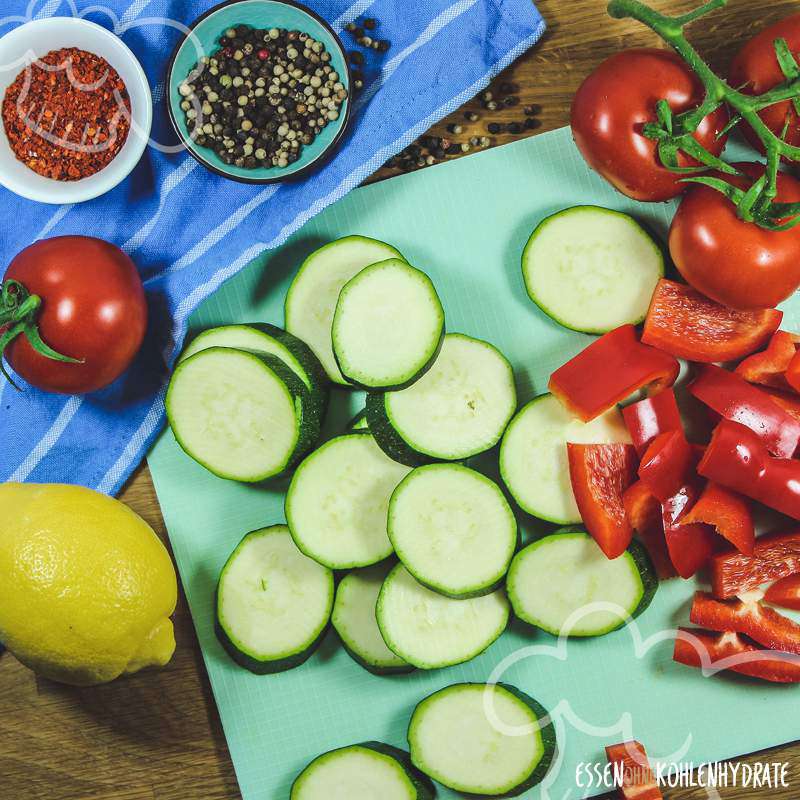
[67, 115]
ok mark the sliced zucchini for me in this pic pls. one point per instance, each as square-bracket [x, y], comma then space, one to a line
[454, 741]
[457, 409]
[429, 630]
[311, 299]
[354, 620]
[359, 422]
[269, 339]
[273, 603]
[388, 326]
[366, 771]
[337, 502]
[242, 415]
[453, 529]
[557, 576]
[533, 455]
[592, 269]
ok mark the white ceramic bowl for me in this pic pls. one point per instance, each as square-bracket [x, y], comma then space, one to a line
[23, 45]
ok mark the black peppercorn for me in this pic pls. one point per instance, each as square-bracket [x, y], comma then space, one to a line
[515, 128]
[531, 123]
[356, 58]
[494, 127]
[370, 24]
[532, 110]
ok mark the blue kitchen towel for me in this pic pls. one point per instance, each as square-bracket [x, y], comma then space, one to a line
[189, 231]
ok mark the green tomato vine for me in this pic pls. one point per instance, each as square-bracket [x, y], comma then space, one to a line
[675, 132]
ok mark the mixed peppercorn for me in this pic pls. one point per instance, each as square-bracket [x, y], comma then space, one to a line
[262, 96]
[67, 115]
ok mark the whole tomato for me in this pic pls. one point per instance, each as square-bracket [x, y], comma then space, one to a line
[613, 104]
[92, 309]
[755, 70]
[734, 262]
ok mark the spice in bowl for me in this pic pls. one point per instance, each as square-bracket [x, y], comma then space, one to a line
[67, 115]
[262, 96]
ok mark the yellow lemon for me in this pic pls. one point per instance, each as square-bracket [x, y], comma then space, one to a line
[86, 586]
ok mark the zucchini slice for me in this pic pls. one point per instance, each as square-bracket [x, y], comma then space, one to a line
[453, 739]
[457, 409]
[556, 576]
[366, 771]
[354, 620]
[264, 338]
[533, 455]
[338, 499]
[429, 630]
[273, 603]
[388, 326]
[242, 415]
[311, 299]
[592, 269]
[453, 529]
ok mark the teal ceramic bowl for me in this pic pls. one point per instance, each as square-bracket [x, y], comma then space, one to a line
[202, 39]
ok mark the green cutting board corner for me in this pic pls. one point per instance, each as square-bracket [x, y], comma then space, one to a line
[465, 223]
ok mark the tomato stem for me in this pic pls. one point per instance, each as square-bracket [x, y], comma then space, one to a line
[18, 312]
[676, 133]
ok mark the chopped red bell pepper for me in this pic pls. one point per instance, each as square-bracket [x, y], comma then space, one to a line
[728, 513]
[638, 779]
[769, 367]
[760, 623]
[687, 324]
[785, 592]
[666, 463]
[738, 459]
[775, 556]
[689, 545]
[735, 399]
[649, 417]
[793, 373]
[790, 403]
[600, 473]
[644, 514]
[610, 369]
[734, 652]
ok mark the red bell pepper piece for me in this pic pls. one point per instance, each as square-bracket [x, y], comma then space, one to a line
[735, 399]
[644, 515]
[769, 367]
[687, 324]
[600, 473]
[731, 651]
[610, 369]
[638, 780]
[775, 556]
[649, 417]
[738, 459]
[665, 464]
[689, 545]
[790, 403]
[760, 623]
[728, 513]
[793, 373]
[785, 593]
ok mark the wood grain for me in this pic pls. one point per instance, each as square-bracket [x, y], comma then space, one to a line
[157, 736]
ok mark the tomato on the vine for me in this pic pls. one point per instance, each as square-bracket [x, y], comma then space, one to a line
[734, 262]
[756, 70]
[612, 106]
[92, 311]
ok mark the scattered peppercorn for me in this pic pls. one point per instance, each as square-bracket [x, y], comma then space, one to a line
[486, 96]
[383, 45]
[67, 115]
[471, 116]
[453, 149]
[494, 127]
[490, 105]
[364, 41]
[474, 141]
[510, 100]
[531, 123]
[532, 110]
[455, 128]
[356, 58]
[370, 23]
[514, 127]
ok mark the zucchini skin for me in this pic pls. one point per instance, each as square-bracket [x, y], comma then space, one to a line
[388, 439]
[648, 574]
[375, 670]
[258, 667]
[421, 782]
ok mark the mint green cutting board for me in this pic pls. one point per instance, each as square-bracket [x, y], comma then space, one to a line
[465, 223]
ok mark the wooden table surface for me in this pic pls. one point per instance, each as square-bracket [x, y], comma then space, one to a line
[157, 736]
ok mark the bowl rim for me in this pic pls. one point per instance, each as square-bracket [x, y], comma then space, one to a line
[312, 165]
[92, 189]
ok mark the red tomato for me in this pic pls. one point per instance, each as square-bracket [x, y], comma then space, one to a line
[734, 262]
[755, 70]
[93, 309]
[613, 104]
